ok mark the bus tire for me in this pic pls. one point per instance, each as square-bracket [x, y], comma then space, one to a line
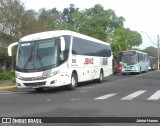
[38, 89]
[74, 82]
[140, 71]
[100, 79]
[146, 70]
[124, 73]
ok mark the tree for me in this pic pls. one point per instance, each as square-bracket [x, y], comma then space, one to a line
[133, 38]
[50, 19]
[10, 17]
[10, 22]
[5, 40]
[68, 20]
[151, 51]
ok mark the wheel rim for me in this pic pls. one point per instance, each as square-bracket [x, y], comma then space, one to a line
[101, 76]
[73, 81]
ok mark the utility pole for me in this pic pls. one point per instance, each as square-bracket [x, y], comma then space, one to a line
[158, 50]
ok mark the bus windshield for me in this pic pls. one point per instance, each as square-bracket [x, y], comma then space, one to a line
[37, 55]
[129, 58]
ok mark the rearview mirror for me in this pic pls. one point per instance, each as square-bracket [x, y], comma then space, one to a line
[62, 44]
[10, 48]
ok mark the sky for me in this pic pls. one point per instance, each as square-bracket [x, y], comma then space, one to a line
[142, 16]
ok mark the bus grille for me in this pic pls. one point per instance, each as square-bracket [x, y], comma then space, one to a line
[33, 78]
[34, 84]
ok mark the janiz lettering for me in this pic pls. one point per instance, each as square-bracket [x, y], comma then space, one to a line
[89, 61]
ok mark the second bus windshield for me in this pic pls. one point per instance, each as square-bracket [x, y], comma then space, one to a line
[129, 58]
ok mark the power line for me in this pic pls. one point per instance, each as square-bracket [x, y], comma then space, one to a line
[149, 38]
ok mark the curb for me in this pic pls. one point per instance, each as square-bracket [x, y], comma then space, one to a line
[8, 87]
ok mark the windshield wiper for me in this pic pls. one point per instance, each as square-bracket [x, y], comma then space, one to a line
[39, 57]
[40, 61]
[28, 60]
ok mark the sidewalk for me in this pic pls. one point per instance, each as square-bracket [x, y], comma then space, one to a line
[6, 85]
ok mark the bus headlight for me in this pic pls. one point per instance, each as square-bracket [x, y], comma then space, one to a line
[19, 77]
[133, 68]
[52, 74]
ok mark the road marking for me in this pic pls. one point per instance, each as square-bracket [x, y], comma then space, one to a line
[14, 92]
[106, 96]
[5, 92]
[85, 88]
[155, 96]
[48, 100]
[75, 99]
[135, 94]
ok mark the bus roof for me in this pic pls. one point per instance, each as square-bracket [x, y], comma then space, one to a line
[135, 51]
[57, 33]
[152, 57]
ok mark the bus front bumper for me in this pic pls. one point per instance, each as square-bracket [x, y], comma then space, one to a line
[49, 82]
[129, 70]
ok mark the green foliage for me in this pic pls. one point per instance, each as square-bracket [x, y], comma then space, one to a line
[13, 79]
[152, 51]
[7, 75]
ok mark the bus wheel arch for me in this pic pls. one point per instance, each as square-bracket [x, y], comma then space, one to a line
[74, 80]
[146, 69]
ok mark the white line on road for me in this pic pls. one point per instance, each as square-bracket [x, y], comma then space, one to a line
[155, 96]
[106, 96]
[3, 91]
[135, 94]
[75, 99]
[13, 92]
[6, 93]
[80, 88]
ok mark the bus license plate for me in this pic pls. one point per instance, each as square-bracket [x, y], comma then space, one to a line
[35, 86]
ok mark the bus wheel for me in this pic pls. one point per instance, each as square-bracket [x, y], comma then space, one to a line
[74, 80]
[140, 71]
[100, 79]
[124, 73]
[146, 70]
[38, 89]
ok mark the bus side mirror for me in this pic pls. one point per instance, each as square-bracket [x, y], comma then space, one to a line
[10, 48]
[62, 44]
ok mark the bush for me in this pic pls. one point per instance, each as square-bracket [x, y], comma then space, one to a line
[13, 79]
[7, 75]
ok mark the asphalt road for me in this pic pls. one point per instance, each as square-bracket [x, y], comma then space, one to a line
[117, 96]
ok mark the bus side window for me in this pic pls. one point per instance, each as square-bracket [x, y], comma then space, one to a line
[139, 58]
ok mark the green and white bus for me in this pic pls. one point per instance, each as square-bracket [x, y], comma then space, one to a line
[133, 61]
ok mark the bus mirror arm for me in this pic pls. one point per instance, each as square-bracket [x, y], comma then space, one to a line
[10, 48]
[62, 44]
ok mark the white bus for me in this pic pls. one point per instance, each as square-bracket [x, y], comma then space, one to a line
[57, 58]
[134, 61]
